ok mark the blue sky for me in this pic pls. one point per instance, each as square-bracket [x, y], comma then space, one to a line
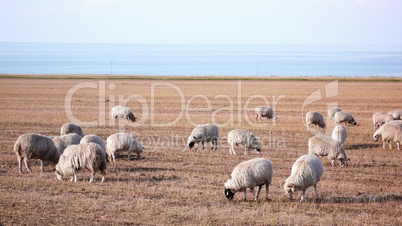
[273, 22]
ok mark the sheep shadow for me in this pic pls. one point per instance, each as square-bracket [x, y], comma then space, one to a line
[151, 179]
[365, 199]
[363, 146]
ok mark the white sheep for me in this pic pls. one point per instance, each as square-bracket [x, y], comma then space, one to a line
[345, 117]
[389, 132]
[204, 133]
[35, 146]
[77, 157]
[322, 145]
[245, 138]
[332, 111]
[315, 118]
[397, 114]
[263, 111]
[249, 174]
[340, 134]
[380, 118]
[62, 142]
[123, 113]
[306, 172]
[92, 138]
[71, 128]
[119, 142]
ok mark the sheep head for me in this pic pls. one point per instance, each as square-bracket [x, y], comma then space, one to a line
[275, 118]
[290, 189]
[191, 141]
[229, 194]
[59, 175]
[130, 117]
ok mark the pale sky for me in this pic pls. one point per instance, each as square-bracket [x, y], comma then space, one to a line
[274, 22]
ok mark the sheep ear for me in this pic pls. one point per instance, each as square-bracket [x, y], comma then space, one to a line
[194, 137]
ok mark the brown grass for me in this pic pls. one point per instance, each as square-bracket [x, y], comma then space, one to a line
[174, 185]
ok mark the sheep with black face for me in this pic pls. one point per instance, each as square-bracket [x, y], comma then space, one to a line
[204, 133]
[249, 174]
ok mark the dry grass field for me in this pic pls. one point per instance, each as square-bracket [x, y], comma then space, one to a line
[170, 184]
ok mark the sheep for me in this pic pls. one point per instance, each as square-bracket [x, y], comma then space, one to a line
[35, 146]
[123, 113]
[122, 142]
[249, 174]
[379, 118]
[204, 133]
[315, 118]
[71, 128]
[62, 142]
[245, 138]
[92, 138]
[397, 114]
[332, 111]
[263, 111]
[322, 145]
[389, 132]
[345, 117]
[76, 157]
[340, 134]
[306, 171]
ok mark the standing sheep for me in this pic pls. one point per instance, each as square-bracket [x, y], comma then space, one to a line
[332, 111]
[71, 128]
[397, 114]
[35, 146]
[204, 133]
[345, 117]
[249, 174]
[263, 111]
[123, 113]
[389, 132]
[314, 118]
[340, 134]
[379, 118]
[92, 138]
[119, 142]
[62, 142]
[242, 137]
[306, 171]
[76, 157]
[322, 145]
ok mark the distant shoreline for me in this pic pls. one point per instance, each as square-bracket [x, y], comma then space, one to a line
[203, 78]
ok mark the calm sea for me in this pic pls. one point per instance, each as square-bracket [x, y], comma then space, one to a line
[166, 59]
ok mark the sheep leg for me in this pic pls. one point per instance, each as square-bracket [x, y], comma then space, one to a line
[303, 198]
[266, 191]
[258, 192]
[315, 189]
[212, 144]
[42, 165]
[26, 161]
[92, 177]
[383, 144]
[245, 197]
[397, 144]
[333, 162]
[196, 146]
[231, 150]
[389, 143]
[252, 191]
[202, 145]
[19, 158]
[245, 151]
[75, 177]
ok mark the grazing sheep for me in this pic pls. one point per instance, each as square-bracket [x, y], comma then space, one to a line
[123, 113]
[389, 132]
[242, 137]
[35, 146]
[314, 118]
[322, 145]
[119, 142]
[204, 133]
[263, 111]
[62, 142]
[379, 118]
[92, 138]
[71, 128]
[76, 157]
[306, 171]
[340, 134]
[397, 114]
[345, 117]
[332, 111]
[249, 174]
